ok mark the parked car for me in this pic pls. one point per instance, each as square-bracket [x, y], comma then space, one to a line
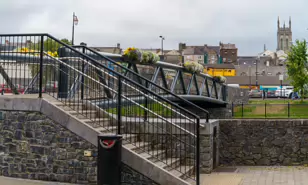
[285, 92]
[271, 94]
[51, 86]
[255, 94]
[7, 89]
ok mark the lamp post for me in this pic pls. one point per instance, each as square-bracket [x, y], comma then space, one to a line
[162, 45]
[75, 22]
[249, 77]
[257, 71]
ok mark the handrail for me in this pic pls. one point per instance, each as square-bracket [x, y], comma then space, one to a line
[110, 56]
[88, 78]
[114, 91]
[145, 79]
[122, 76]
[97, 63]
[112, 76]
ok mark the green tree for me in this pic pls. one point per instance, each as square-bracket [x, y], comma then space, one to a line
[50, 71]
[297, 66]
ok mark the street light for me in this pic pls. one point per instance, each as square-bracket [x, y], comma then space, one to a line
[162, 45]
[257, 71]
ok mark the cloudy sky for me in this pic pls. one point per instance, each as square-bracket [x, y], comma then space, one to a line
[248, 23]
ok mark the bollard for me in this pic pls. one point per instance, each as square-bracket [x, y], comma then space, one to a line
[109, 160]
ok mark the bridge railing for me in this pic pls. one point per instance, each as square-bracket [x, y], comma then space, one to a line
[173, 77]
[120, 105]
[142, 79]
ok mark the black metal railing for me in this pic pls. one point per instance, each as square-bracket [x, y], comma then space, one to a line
[102, 60]
[172, 77]
[268, 110]
[104, 98]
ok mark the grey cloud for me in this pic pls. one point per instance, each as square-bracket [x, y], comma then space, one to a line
[249, 24]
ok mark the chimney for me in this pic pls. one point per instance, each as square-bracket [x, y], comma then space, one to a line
[118, 45]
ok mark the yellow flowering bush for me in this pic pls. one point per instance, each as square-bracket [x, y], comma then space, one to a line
[36, 53]
[193, 67]
[137, 55]
[220, 79]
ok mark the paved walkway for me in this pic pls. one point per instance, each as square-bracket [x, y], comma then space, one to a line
[259, 176]
[14, 181]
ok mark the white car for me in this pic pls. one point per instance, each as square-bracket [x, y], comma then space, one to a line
[286, 92]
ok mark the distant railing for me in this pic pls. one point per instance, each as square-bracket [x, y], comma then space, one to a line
[270, 111]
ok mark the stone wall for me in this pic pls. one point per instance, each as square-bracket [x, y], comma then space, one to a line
[237, 95]
[34, 147]
[263, 142]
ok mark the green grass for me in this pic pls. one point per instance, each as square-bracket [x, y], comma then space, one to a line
[278, 101]
[273, 109]
[134, 110]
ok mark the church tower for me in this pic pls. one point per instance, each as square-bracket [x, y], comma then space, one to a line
[284, 36]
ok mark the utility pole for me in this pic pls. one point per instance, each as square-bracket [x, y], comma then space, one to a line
[162, 46]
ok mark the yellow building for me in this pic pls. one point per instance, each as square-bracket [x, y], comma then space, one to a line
[220, 69]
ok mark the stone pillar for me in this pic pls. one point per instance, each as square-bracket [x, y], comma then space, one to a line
[209, 147]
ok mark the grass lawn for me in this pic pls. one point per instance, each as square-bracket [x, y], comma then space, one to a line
[134, 110]
[279, 108]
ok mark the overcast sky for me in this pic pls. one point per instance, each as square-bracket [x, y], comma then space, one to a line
[247, 23]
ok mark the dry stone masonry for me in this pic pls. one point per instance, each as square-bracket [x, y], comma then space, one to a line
[34, 147]
[263, 142]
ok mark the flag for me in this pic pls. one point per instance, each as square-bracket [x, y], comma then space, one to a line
[75, 19]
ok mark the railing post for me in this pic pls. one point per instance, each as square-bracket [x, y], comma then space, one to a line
[265, 109]
[119, 104]
[82, 77]
[288, 109]
[198, 153]
[242, 109]
[232, 113]
[146, 102]
[41, 67]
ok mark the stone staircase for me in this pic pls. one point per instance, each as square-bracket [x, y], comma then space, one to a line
[155, 155]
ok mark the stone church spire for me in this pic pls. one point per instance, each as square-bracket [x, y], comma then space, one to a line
[278, 23]
[290, 22]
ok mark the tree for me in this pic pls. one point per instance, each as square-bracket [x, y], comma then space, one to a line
[51, 47]
[297, 66]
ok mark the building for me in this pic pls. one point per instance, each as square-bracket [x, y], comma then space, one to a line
[113, 50]
[193, 54]
[201, 54]
[173, 57]
[220, 69]
[228, 53]
[284, 36]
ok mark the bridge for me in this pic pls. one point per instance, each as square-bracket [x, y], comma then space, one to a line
[144, 103]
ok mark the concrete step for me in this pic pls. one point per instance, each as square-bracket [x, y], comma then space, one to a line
[137, 145]
[84, 113]
[179, 171]
[107, 129]
[191, 181]
[169, 163]
[152, 154]
[98, 122]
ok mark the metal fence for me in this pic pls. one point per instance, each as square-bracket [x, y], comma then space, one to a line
[107, 100]
[267, 110]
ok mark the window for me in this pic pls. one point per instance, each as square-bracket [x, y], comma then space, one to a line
[188, 57]
[287, 43]
[281, 43]
[199, 57]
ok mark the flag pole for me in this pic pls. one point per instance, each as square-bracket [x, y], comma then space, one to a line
[73, 29]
